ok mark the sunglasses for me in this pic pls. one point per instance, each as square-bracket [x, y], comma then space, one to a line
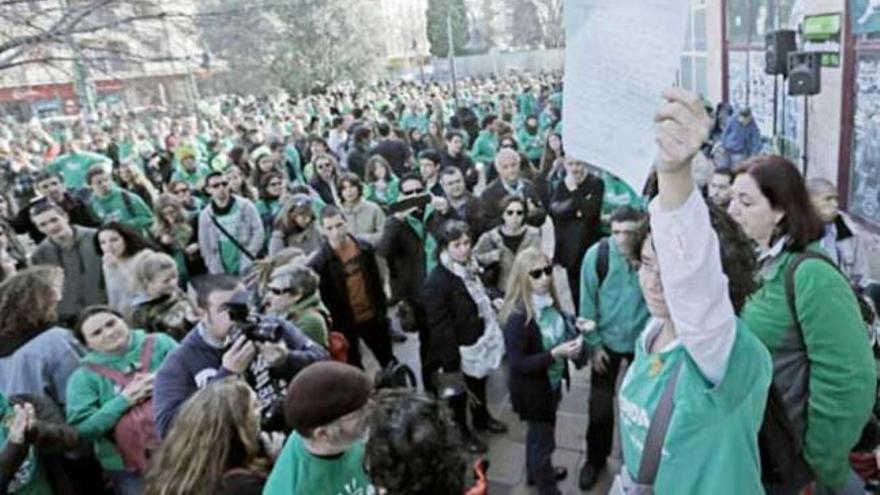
[537, 272]
[413, 191]
[518, 213]
[274, 184]
[275, 291]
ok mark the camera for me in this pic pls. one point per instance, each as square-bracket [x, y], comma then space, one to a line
[249, 323]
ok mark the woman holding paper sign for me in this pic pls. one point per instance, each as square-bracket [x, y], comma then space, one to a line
[693, 399]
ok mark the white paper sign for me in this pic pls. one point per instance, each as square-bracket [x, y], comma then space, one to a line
[620, 55]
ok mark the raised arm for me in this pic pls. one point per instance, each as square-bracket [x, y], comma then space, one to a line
[687, 246]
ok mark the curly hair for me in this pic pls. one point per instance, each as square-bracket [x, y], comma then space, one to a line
[215, 430]
[28, 301]
[414, 446]
[738, 259]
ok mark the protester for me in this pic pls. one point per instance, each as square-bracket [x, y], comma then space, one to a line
[271, 193]
[74, 165]
[539, 340]
[464, 339]
[159, 305]
[741, 139]
[13, 256]
[698, 383]
[112, 203]
[214, 446]
[414, 446]
[32, 426]
[50, 186]
[177, 235]
[827, 404]
[324, 181]
[296, 226]
[383, 187]
[292, 293]
[455, 156]
[719, 187]
[366, 218]
[429, 167]
[395, 151]
[576, 207]
[457, 204]
[352, 288]
[73, 249]
[36, 355]
[495, 250]
[486, 144]
[108, 396]
[117, 245]
[326, 407]
[230, 230]
[611, 296]
[511, 183]
[215, 349]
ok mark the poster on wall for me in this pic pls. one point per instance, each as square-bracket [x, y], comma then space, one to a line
[864, 199]
[865, 16]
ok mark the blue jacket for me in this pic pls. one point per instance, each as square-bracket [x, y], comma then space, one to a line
[196, 363]
[742, 139]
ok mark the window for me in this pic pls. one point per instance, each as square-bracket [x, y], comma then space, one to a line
[864, 173]
[692, 74]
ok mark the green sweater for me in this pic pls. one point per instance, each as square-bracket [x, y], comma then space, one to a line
[530, 144]
[74, 166]
[617, 305]
[485, 147]
[298, 471]
[306, 314]
[133, 212]
[94, 403]
[838, 364]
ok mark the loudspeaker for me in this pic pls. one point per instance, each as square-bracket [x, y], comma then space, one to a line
[804, 73]
[778, 45]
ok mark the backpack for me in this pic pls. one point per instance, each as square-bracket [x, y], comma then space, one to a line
[602, 260]
[781, 448]
[395, 375]
[135, 433]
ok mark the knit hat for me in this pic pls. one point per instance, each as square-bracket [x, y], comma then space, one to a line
[324, 392]
[184, 151]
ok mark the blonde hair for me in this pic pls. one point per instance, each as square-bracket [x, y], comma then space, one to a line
[519, 284]
[147, 264]
[214, 424]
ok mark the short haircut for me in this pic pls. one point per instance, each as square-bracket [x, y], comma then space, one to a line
[331, 211]
[43, 175]
[453, 134]
[725, 172]
[94, 171]
[211, 175]
[205, 285]
[488, 120]
[431, 154]
[41, 205]
[383, 129]
[449, 170]
[626, 213]
[410, 176]
[819, 185]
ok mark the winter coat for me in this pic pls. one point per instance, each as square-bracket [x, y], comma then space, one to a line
[577, 220]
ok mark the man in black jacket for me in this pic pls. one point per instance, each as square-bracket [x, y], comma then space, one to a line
[576, 208]
[456, 204]
[511, 183]
[50, 185]
[352, 288]
[395, 151]
[455, 156]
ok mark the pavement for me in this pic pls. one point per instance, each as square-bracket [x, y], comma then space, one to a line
[507, 452]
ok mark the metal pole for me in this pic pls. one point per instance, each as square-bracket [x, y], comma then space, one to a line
[451, 52]
[805, 155]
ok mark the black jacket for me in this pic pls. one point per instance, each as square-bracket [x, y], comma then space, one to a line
[453, 319]
[531, 394]
[578, 221]
[396, 152]
[494, 195]
[405, 252]
[333, 288]
[79, 211]
[324, 189]
[474, 215]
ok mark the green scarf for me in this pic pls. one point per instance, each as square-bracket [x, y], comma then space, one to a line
[427, 239]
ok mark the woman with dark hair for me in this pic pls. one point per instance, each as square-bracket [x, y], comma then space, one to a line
[107, 393]
[383, 187]
[176, 234]
[271, 192]
[416, 140]
[296, 226]
[214, 445]
[324, 181]
[360, 151]
[551, 171]
[693, 399]
[464, 340]
[117, 244]
[238, 183]
[497, 248]
[807, 315]
[365, 218]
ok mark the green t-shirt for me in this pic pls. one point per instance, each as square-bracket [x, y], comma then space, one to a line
[298, 471]
[73, 167]
[29, 478]
[711, 445]
[229, 253]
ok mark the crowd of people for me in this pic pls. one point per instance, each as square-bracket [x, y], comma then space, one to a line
[186, 299]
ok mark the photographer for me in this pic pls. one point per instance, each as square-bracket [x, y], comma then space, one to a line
[267, 351]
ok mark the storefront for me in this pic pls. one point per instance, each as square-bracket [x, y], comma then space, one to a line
[835, 134]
